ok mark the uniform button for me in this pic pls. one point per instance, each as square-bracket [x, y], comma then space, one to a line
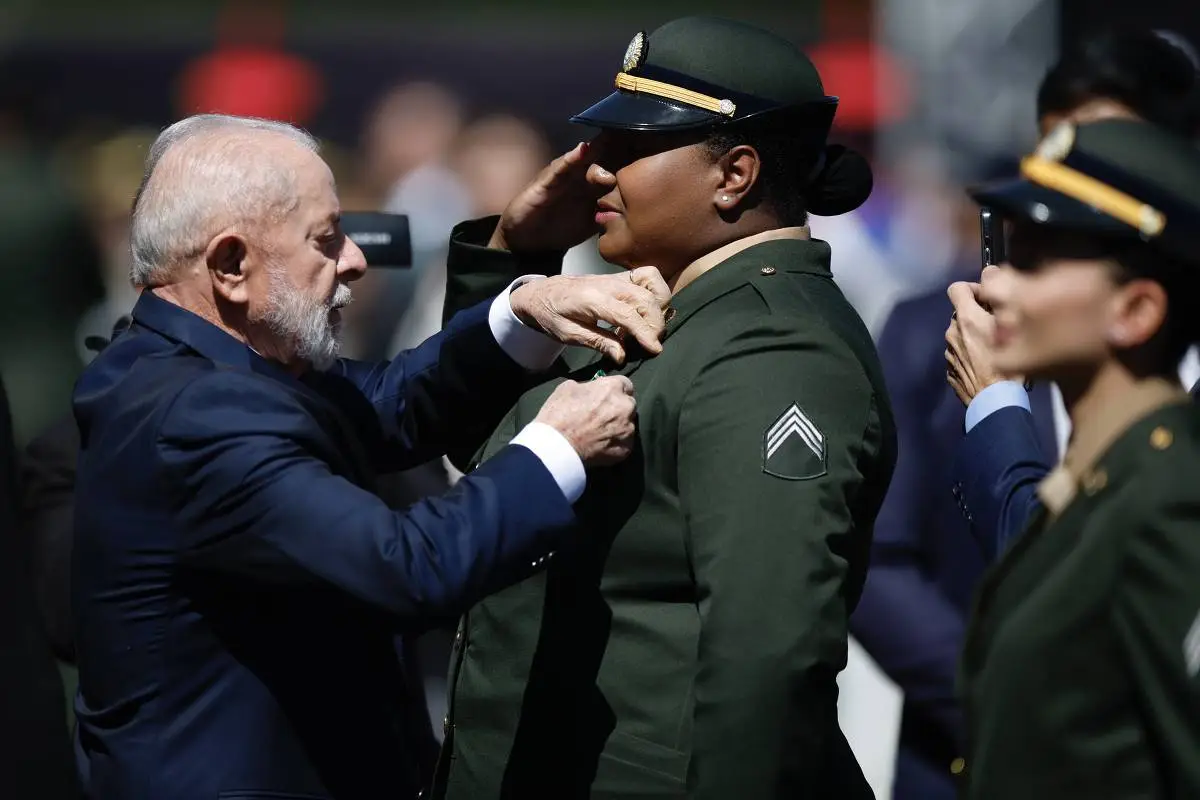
[767, 270]
[1094, 481]
[458, 637]
[1161, 438]
[669, 314]
[957, 766]
[446, 726]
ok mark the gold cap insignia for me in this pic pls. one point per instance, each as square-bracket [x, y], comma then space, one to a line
[635, 54]
[1058, 143]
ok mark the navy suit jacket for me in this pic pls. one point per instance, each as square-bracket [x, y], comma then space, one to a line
[997, 468]
[236, 585]
[924, 563]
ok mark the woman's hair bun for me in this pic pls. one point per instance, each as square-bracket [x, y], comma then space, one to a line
[843, 183]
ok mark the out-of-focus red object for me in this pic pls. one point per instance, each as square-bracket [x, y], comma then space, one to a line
[252, 81]
[873, 85]
[249, 73]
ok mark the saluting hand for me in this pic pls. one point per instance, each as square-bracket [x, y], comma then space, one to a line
[555, 212]
[571, 309]
[969, 359]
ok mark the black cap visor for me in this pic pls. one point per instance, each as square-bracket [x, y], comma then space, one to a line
[1024, 200]
[632, 111]
[639, 112]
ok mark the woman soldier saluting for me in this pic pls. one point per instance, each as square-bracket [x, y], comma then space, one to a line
[689, 645]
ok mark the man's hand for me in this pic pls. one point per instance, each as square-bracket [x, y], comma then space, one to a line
[571, 308]
[969, 367]
[596, 417]
[555, 212]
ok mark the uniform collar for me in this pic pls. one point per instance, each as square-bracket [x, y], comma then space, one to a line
[705, 263]
[762, 257]
[1093, 438]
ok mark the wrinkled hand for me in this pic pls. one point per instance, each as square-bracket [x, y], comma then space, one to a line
[555, 212]
[571, 308]
[969, 365]
[597, 418]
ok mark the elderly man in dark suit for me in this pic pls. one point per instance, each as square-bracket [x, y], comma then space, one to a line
[236, 584]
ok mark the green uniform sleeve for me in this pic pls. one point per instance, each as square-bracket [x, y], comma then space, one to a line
[775, 436]
[474, 272]
[1157, 614]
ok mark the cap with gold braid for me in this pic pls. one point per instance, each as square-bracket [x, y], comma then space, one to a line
[700, 73]
[1121, 178]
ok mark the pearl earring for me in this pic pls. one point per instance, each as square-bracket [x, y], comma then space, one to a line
[725, 198]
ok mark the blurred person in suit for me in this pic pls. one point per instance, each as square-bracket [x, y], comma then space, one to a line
[926, 563]
[236, 586]
[1014, 436]
[35, 761]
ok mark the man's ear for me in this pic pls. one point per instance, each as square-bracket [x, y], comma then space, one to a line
[739, 174]
[225, 258]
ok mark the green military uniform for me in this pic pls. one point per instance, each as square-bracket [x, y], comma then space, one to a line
[1080, 669]
[688, 644]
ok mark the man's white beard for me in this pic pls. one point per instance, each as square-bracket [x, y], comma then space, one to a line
[295, 317]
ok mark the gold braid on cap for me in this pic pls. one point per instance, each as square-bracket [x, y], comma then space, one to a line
[1097, 194]
[632, 83]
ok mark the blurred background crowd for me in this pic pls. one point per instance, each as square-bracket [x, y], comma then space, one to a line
[443, 113]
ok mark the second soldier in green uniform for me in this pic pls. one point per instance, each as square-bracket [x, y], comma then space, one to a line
[1081, 668]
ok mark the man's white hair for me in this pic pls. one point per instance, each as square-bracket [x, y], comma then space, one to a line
[219, 177]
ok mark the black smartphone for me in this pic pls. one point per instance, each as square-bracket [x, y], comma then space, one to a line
[383, 238]
[991, 237]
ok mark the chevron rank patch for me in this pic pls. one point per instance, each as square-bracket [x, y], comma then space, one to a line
[794, 447]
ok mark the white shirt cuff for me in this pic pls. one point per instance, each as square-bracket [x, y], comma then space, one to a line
[556, 453]
[532, 349]
[1002, 394]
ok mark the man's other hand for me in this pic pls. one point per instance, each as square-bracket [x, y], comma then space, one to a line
[575, 309]
[597, 418]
